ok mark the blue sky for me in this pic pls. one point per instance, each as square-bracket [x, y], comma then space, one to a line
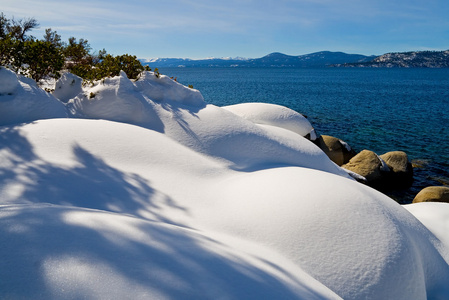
[247, 28]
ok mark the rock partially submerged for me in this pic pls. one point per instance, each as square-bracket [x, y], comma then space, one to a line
[433, 194]
[367, 164]
[386, 172]
[401, 170]
[337, 150]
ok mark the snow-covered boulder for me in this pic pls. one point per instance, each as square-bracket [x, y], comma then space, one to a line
[163, 105]
[8, 81]
[161, 88]
[67, 87]
[349, 237]
[435, 216]
[21, 100]
[337, 229]
[274, 115]
[60, 252]
[115, 99]
[195, 203]
[243, 144]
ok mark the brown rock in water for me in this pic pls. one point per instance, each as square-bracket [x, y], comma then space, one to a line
[367, 164]
[337, 150]
[433, 194]
[387, 172]
[397, 161]
[401, 168]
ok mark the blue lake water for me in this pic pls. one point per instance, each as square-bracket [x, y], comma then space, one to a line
[377, 109]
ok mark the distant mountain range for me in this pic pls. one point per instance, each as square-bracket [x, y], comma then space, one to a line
[414, 59]
[424, 59]
[318, 59]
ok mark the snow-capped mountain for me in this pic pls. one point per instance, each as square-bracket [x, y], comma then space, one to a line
[413, 59]
[276, 59]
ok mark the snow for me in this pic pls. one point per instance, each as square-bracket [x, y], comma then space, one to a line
[435, 216]
[195, 202]
[275, 115]
[63, 252]
[162, 88]
[8, 82]
[383, 165]
[346, 145]
[67, 87]
[21, 100]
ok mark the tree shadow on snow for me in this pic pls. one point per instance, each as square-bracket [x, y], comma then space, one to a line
[55, 249]
[52, 252]
[178, 111]
[91, 183]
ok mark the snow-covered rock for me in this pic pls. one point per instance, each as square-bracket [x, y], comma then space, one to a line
[274, 115]
[21, 100]
[352, 239]
[163, 105]
[115, 99]
[242, 143]
[435, 216]
[161, 88]
[196, 203]
[67, 87]
[60, 252]
[8, 81]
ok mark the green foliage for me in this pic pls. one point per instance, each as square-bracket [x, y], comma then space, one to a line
[24, 54]
[10, 52]
[79, 61]
[43, 59]
[53, 37]
[19, 28]
[4, 23]
[156, 72]
[112, 65]
[47, 57]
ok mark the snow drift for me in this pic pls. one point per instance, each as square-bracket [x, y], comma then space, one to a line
[196, 202]
[21, 100]
[274, 115]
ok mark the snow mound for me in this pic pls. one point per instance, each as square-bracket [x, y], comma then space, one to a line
[21, 100]
[149, 102]
[8, 81]
[88, 254]
[115, 99]
[120, 99]
[435, 216]
[274, 115]
[161, 88]
[68, 87]
[350, 238]
[196, 202]
[244, 145]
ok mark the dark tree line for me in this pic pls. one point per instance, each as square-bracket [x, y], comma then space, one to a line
[47, 57]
